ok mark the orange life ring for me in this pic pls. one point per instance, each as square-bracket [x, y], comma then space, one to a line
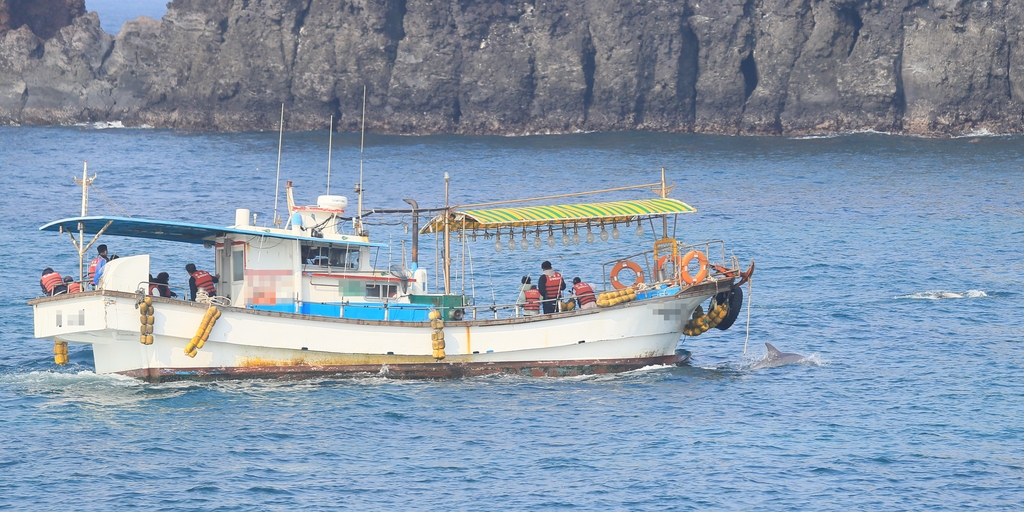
[622, 265]
[702, 273]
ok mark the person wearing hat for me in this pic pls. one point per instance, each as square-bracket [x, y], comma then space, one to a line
[550, 286]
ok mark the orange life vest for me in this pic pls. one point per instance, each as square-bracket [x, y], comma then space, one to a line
[532, 300]
[584, 293]
[205, 281]
[74, 287]
[51, 280]
[97, 263]
[154, 290]
[553, 286]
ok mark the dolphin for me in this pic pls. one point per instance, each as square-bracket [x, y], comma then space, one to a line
[775, 358]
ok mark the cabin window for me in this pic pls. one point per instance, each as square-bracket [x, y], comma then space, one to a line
[344, 258]
[379, 291]
[237, 265]
[315, 255]
[334, 257]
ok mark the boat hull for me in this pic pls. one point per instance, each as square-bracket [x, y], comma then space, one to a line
[246, 343]
[443, 370]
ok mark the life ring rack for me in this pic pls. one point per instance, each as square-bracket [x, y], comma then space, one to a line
[619, 267]
[678, 260]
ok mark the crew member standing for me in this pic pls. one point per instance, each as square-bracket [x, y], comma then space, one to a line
[531, 301]
[551, 285]
[200, 279]
[584, 294]
[96, 267]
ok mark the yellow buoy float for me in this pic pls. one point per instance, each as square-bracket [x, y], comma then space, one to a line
[146, 319]
[437, 337]
[615, 298]
[700, 323]
[203, 332]
[60, 352]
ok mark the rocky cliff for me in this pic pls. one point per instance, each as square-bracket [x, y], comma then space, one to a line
[472, 66]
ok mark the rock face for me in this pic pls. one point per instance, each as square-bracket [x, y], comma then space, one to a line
[43, 17]
[498, 66]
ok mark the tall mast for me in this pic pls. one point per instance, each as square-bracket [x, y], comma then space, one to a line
[359, 187]
[80, 245]
[447, 242]
[277, 182]
[664, 195]
[330, 146]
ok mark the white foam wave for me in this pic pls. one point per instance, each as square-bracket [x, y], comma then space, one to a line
[981, 132]
[831, 135]
[58, 379]
[102, 125]
[943, 294]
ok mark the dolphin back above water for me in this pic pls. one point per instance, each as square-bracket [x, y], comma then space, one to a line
[775, 358]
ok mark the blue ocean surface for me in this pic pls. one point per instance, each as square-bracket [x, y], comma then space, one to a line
[893, 263]
[113, 13]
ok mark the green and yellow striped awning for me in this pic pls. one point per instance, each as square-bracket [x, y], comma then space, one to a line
[558, 215]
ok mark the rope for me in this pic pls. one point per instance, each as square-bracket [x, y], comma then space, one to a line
[216, 300]
[749, 296]
[110, 202]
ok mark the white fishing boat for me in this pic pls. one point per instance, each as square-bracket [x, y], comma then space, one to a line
[304, 298]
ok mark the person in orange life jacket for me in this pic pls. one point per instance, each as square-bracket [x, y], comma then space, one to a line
[158, 286]
[72, 286]
[584, 294]
[523, 287]
[51, 283]
[154, 287]
[200, 279]
[551, 285]
[531, 301]
[96, 267]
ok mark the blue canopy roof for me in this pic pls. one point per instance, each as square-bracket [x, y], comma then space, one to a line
[177, 231]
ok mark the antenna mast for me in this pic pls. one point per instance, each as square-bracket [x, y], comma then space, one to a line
[330, 146]
[277, 182]
[80, 245]
[359, 187]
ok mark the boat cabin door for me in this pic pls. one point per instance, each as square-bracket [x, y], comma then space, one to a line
[231, 264]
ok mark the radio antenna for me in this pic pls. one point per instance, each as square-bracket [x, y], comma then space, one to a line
[330, 146]
[362, 140]
[277, 182]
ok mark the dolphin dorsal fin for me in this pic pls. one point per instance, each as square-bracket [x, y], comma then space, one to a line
[772, 351]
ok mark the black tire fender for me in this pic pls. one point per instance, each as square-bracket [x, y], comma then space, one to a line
[734, 298]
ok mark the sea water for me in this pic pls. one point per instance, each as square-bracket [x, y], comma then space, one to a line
[893, 263]
[113, 13]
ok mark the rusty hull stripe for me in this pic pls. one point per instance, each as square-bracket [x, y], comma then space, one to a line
[412, 371]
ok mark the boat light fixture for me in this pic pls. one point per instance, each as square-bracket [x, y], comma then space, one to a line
[497, 243]
[590, 235]
[604, 234]
[615, 232]
[639, 230]
[551, 237]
